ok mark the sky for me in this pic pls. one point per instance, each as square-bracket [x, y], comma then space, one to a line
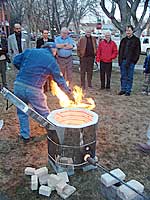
[91, 18]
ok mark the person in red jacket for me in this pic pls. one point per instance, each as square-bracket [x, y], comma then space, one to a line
[106, 52]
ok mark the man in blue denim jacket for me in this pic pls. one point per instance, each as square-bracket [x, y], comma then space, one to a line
[35, 65]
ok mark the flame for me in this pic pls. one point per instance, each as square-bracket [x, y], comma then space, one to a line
[79, 100]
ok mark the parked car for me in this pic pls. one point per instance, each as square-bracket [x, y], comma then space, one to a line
[145, 45]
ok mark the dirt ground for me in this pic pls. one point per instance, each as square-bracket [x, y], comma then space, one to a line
[123, 122]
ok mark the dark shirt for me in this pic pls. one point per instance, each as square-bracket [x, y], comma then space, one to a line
[41, 42]
[89, 51]
[18, 38]
[125, 55]
[3, 46]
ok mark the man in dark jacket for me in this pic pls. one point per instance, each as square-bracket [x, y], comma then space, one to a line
[129, 52]
[3, 57]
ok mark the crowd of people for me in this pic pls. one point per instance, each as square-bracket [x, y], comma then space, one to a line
[52, 59]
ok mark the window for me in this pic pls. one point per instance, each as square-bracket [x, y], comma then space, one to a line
[146, 41]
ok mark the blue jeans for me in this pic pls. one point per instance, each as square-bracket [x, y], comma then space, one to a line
[36, 98]
[127, 74]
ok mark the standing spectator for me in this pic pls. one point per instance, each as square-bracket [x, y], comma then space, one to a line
[106, 52]
[146, 85]
[17, 42]
[44, 39]
[129, 52]
[86, 50]
[65, 44]
[39, 43]
[3, 57]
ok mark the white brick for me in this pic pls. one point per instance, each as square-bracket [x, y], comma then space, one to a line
[29, 171]
[108, 180]
[67, 191]
[64, 176]
[34, 182]
[60, 186]
[66, 160]
[126, 193]
[44, 179]
[53, 180]
[41, 171]
[45, 190]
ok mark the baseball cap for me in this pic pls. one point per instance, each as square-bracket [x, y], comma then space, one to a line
[49, 45]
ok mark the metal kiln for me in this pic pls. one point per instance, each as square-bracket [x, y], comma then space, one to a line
[73, 137]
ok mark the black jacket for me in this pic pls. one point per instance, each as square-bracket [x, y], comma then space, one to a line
[134, 50]
[3, 46]
[40, 42]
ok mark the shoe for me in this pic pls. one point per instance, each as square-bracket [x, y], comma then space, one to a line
[25, 140]
[102, 88]
[143, 147]
[121, 93]
[127, 94]
[90, 87]
[107, 88]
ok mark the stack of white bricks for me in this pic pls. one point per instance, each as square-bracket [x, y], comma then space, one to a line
[50, 182]
[112, 189]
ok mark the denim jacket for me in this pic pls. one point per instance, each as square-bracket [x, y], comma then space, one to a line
[35, 65]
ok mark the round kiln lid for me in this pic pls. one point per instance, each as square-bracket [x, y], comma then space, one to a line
[73, 117]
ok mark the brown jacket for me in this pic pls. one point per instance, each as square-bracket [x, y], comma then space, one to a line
[81, 46]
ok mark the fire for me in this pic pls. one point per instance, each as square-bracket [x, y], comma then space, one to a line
[79, 100]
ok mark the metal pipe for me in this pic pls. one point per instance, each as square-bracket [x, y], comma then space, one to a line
[26, 109]
[91, 161]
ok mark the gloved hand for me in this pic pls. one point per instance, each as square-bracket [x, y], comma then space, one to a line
[70, 94]
[71, 97]
[67, 91]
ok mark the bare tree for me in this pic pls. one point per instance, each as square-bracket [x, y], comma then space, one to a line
[16, 11]
[52, 14]
[128, 14]
[82, 8]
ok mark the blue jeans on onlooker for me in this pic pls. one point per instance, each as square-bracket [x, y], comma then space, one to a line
[34, 97]
[127, 73]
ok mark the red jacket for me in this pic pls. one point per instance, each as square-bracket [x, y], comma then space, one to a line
[107, 51]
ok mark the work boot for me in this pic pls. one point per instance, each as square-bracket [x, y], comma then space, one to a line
[121, 93]
[127, 94]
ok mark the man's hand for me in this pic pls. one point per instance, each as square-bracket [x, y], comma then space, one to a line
[70, 94]
[67, 91]
[71, 97]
